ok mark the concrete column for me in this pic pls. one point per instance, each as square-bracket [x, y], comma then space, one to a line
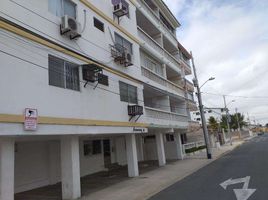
[53, 157]
[141, 148]
[179, 149]
[70, 167]
[132, 160]
[7, 164]
[160, 149]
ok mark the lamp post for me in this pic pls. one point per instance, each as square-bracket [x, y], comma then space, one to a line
[201, 108]
[228, 117]
[238, 123]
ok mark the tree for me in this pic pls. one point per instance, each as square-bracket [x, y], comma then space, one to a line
[213, 124]
[233, 121]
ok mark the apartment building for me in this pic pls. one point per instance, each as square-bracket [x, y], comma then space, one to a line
[85, 84]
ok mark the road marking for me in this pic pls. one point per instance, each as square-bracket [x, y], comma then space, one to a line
[241, 194]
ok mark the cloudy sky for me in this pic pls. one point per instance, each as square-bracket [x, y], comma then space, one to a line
[229, 40]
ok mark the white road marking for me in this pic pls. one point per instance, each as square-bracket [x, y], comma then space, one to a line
[241, 194]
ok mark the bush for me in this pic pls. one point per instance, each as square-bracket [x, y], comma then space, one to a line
[194, 149]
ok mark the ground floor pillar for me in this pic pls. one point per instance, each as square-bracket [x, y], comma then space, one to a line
[179, 147]
[7, 161]
[160, 149]
[132, 160]
[70, 167]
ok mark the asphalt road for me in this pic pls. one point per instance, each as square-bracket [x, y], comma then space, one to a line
[250, 159]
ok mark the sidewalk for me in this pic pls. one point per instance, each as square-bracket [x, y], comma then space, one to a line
[150, 183]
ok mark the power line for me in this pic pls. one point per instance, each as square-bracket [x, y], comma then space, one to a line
[83, 82]
[246, 97]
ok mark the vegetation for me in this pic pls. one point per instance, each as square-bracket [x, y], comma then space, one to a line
[213, 125]
[194, 149]
[233, 121]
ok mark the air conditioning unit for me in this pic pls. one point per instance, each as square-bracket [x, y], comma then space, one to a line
[128, 59]
[134, 110]
[121, 9]
[70, 27]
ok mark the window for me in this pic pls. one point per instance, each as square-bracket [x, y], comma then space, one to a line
[167, 24]
[128, 93]
[169, 137]
[153, 66]
[98, 24]
[62, 7]
[92, 147]
[123, 43]
[63, 74]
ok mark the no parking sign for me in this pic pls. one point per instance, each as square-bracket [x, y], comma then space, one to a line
[30, 119]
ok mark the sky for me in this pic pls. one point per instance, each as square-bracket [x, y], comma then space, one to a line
[229, 41]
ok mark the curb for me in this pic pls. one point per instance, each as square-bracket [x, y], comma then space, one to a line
[160, 188]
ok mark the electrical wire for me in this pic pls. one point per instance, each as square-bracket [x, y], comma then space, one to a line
[83, 82]
[246, 97]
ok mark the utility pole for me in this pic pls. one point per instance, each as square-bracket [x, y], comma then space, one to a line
[227, 119]
[201, 108]
[238, 123]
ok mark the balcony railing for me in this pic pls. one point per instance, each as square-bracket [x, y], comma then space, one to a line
[154, 16]
[162, 81]
[151, 42]
[187, 65]
[189, 86]
[165, 115]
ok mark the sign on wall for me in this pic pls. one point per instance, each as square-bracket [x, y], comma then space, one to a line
[30, 119]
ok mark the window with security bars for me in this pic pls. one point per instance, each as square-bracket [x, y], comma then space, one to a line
[63, 74]
[128, 93]
[122, 44]
[62, 7]
[153, 66]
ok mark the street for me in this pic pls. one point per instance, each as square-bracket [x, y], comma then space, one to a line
[241, 174]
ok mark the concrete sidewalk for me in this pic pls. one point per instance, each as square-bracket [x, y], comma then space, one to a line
[150, 183]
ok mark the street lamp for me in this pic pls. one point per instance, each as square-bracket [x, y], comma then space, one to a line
[210, 79]
[201, 108]
[228, 117]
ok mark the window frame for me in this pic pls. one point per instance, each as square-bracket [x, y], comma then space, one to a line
[64, 75]
[124, 41]
[62, 8]
[128, 98]
[100, 22]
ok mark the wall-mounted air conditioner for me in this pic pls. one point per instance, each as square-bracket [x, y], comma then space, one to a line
[120, 7]
[70, 27]
[121, 55]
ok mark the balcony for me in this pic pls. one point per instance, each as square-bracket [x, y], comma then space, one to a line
[156, 21]
[189, 86]
[172, 87]
[187, 66]
[158, 117]
[158, 51]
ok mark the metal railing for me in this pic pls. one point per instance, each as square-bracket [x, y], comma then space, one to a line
[193, 144]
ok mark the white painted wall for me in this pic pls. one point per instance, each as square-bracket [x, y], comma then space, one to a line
[150, 150]
[33, 169]
[120, 149]
[170, 150]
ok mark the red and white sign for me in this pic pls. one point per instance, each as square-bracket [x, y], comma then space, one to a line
[30, 119]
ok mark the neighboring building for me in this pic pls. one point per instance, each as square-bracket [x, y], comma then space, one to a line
[105, 84]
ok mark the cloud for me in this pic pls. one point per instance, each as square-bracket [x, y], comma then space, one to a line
[229, 40]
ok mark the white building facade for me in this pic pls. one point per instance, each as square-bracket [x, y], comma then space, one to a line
[85, 84]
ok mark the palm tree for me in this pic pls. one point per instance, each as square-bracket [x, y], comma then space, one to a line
[213, 124]
[234, 121]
